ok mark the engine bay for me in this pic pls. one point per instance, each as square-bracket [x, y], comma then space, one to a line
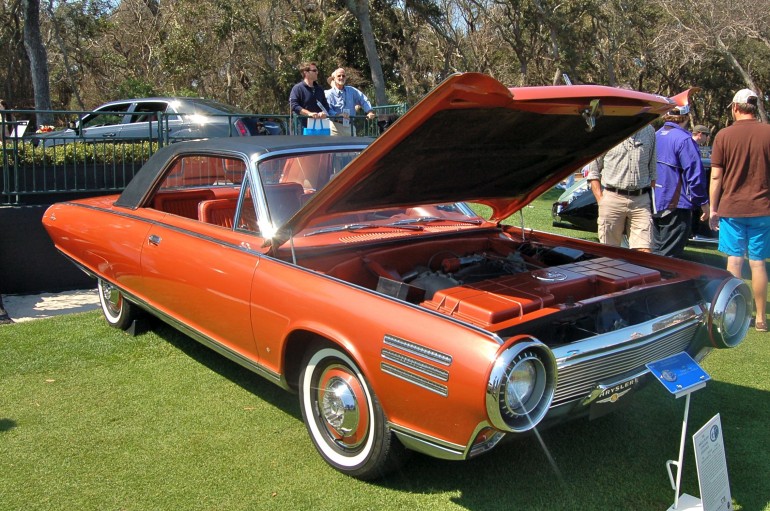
[499, 285]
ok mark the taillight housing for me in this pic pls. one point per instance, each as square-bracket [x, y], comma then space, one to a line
[241, 128]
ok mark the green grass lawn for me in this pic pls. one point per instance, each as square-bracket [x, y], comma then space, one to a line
[94, 419]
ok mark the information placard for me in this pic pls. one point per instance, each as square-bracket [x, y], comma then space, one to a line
[679, 373]
[710, 459]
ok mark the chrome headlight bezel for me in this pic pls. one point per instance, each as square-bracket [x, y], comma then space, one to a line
[514, 413]
[730, 313]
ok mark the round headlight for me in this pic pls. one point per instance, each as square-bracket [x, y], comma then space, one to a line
[737, 309]
[524, 385]
[730, 313]
[521, 386]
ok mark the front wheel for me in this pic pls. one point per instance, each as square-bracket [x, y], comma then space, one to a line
[118, 311]
[344, 417]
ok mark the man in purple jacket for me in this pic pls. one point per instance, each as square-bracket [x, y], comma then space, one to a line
[681, 186]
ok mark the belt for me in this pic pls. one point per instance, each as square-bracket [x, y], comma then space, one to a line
[631, 193]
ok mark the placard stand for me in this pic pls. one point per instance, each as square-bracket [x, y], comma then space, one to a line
[681, 376]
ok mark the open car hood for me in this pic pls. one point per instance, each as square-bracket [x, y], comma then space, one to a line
[473, 139]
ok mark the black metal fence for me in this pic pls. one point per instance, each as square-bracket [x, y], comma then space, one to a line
[83, 157]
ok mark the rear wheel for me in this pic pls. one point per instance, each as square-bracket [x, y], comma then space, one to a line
[344, 417]
[118, 311]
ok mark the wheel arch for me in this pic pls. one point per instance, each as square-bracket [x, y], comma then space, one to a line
[297, 345]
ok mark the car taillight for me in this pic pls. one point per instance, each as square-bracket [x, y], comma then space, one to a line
[558, 207]
[240, 126]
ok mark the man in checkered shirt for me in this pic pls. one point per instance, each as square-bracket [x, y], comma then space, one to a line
[622, 181]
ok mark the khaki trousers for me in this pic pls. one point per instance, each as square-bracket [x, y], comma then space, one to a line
[619, 214]
[338, 129]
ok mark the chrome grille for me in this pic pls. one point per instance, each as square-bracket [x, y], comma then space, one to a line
[577, 378]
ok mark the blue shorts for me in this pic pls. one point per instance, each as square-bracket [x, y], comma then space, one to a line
[739, 235]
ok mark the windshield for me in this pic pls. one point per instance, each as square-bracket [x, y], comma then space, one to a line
[311, 171]
[290, 181]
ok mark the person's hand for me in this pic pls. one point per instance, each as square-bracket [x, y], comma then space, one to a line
[714, 221]
[704, 213]
[370, 115]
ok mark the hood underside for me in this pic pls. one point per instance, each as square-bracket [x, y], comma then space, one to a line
[472, 139]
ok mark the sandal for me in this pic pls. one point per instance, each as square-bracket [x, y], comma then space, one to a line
[761, 327]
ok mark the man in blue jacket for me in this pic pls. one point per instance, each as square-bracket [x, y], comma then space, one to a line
[343, 101]
[307, 98]
[681, 185]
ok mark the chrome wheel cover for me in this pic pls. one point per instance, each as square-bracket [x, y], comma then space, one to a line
[111, 297]
[342, 407]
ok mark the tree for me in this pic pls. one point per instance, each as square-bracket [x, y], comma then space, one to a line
[705, 27]
[360, 9]
[38, 59]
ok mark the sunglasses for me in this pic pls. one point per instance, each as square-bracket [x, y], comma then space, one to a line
[312, 70]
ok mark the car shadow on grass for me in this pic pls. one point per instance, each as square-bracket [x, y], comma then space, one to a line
[615, 463]
[244, 378]
[7, 425]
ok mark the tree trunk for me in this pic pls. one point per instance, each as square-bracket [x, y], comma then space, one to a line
[360, 9]
[38, 60]
[545, 18]
[65, 55]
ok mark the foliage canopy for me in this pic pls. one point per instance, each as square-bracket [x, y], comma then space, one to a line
[246, 52]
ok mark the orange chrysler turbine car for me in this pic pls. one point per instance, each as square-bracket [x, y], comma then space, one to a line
[355, 273]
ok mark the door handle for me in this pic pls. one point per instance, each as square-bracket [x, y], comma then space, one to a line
[154, 239]
[109, 135]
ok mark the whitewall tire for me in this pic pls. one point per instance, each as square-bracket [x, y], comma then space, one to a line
[344, 417]
[118, 311]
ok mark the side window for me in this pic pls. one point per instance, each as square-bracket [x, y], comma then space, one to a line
[202, 187]
[148, 111]
[203, 170]
[110, 117]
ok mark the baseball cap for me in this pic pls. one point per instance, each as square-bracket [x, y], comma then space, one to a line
[745, 96]
[680, 110]
[699, 128]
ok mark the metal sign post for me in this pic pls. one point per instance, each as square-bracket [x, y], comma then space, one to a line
[681, 376]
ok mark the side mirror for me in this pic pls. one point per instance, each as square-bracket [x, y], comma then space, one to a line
[73, 125]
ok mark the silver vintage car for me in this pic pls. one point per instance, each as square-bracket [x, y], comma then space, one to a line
[171, 119]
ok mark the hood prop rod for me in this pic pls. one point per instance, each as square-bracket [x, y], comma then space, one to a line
[591, 113]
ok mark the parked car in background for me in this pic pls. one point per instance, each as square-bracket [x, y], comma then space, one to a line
[171, 118]
[576, 208]
[353, 272]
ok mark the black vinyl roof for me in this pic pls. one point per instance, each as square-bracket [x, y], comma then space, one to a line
[247, 148]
